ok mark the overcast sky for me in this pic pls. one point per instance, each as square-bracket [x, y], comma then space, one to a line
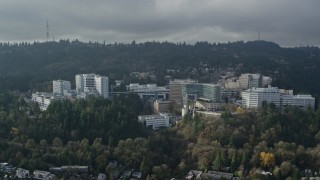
[287, 22]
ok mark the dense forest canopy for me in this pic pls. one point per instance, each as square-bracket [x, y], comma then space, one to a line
[96, 131]
[30, 66]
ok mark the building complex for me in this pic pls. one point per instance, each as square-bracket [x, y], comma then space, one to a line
[92, 84]
[86, 84]
[149, 91]
[254, 98]
[155, 121]
[60, 87]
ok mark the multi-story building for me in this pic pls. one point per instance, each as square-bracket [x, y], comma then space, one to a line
[175, 90]
[44, 99]
[149, 91]
[92, 84]
[155, 121]
[266, 81]
[301, 101]
[304, 102]
[254, 97]
[161, 106]
[247, 81]
[85, 82]
[194, 91]
[101, 85]
[59, 87]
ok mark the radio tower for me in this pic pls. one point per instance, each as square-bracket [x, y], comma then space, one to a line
[47, 31]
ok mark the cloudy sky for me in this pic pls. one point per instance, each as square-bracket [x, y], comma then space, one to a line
[287, 22]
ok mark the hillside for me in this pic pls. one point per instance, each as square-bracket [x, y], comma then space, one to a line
[27, 66]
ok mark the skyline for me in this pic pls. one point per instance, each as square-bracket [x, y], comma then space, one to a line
[286, 22]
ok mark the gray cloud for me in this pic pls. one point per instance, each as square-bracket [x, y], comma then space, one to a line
[288, 22]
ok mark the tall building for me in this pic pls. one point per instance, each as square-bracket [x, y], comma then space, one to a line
[59, 87]
[101, 85]
[247, 81]
[253, 98]
[92, 84]
[175, 90]
[85, 82]
[266, 81]
[209, 92]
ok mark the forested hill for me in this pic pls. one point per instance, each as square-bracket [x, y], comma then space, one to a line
[27, 66]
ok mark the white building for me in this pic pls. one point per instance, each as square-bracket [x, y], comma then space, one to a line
[155, 121]
[101, 85]
[44, 99]
[266, 81]
[85, 82]
[253, 98]
[37, 174]
[149, 90]
[250, 80]
[59, 87]
[304, 101]
[92, 84]
[22, 173]
[232, 83]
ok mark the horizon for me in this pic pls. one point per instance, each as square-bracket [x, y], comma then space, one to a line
[153, 41]
[289, 23]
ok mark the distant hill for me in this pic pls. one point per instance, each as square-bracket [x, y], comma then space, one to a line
[27, 66]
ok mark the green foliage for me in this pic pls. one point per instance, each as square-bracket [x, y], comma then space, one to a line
[216, 165]
[64, 59]
[234, 162]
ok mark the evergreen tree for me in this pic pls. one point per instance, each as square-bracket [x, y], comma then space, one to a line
[217, 162]
[234, 162]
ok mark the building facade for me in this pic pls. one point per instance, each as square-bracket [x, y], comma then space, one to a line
[247, 81]
[43, 99]
[102, 86]
[146, 91]
[92, 84]
[254, 97]
[175, 90]
[155, 121]
[161, 106]
[60, 87]
[208, 92]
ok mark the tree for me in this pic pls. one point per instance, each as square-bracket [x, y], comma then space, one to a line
[223, 158]
[182, 167]
[217, 162]
[267, 159]
[145, 166]
[31, 143]
[161, 172]
[285, 168]
[245, 159]
[234, 162]
[110, 142]
[57, 142]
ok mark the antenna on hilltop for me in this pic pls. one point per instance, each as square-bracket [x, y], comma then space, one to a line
[259, 35]
[47, 31]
